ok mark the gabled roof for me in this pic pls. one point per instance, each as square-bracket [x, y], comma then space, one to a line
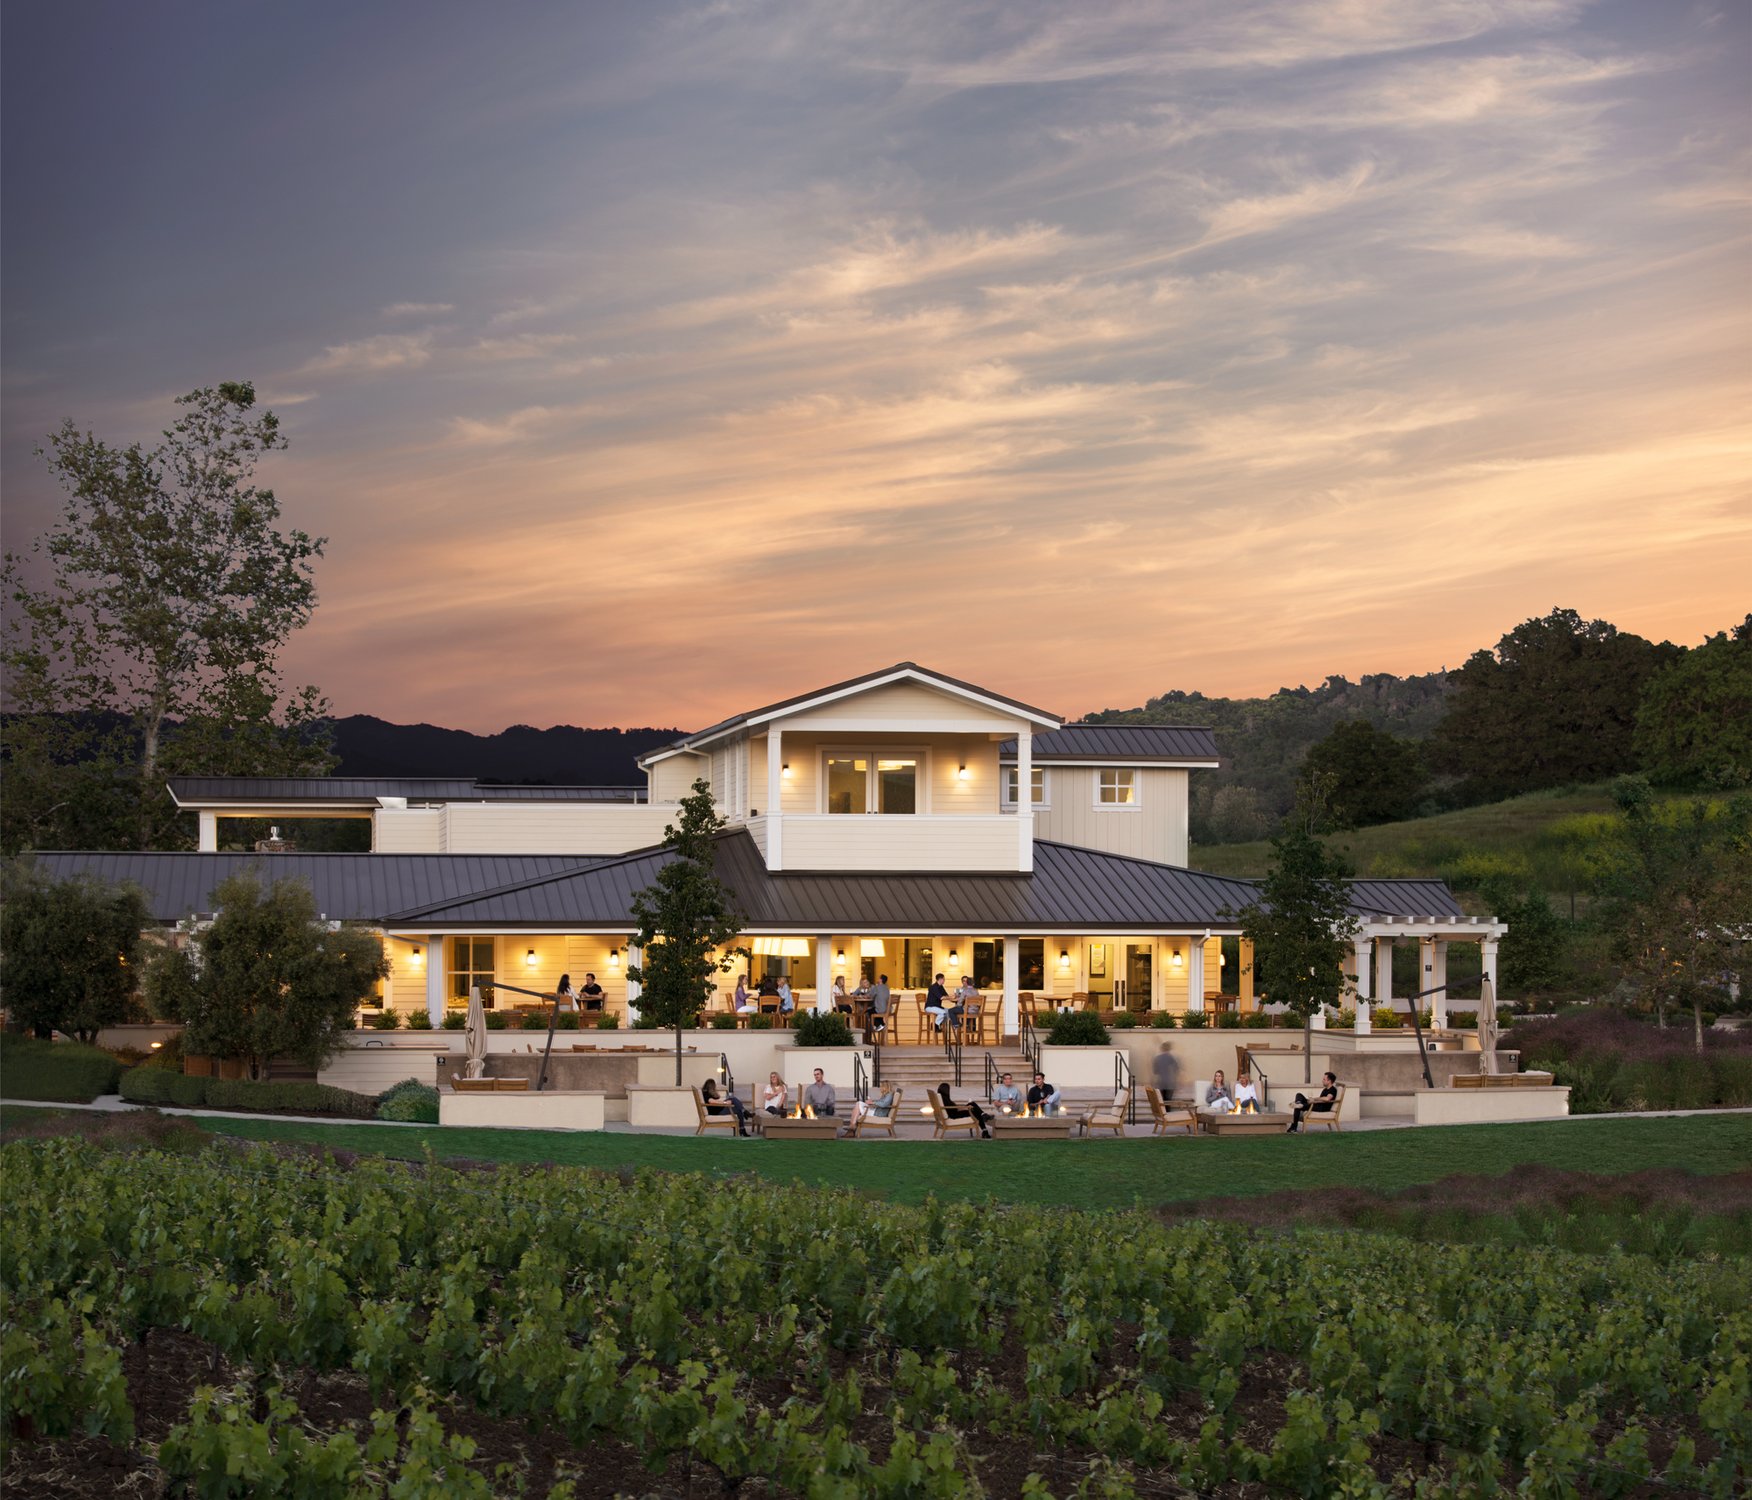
[368, 791]
[899, 672]
[1404, 898]
[1132, 744]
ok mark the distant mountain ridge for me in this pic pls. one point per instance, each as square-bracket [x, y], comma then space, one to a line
[561, 756]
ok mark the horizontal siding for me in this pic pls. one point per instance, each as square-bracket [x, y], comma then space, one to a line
[416, 830]
[500, 828]
[900, 700]
[901, 843]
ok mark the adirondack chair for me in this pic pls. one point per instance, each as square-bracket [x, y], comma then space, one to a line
[868, 1122]
[945, 1123]
[1105, 1116]
[1167, 1118]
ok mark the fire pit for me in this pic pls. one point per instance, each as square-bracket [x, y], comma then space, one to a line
[800, 1127]
[1032, 1127]
[1246, 1124]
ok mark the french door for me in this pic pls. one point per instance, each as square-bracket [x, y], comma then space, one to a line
[873, 783]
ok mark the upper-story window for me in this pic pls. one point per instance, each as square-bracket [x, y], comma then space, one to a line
[1011, 775]
[872, 783]
[1115, 787]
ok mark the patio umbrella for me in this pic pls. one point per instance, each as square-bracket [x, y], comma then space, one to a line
[476, 1034]
[1487, 1025]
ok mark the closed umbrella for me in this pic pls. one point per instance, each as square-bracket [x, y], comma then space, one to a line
[476, 1033]
[1487, 1025]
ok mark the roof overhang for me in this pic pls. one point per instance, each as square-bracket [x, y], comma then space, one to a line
[1168, 761]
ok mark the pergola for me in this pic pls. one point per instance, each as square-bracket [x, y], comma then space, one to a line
[1376, 939]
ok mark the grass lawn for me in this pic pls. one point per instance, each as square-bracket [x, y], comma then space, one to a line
[1083, 1174]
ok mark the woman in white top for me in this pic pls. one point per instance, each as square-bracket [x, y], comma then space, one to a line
[1246, 1095]
[565, 994]
[773, 1099]
[840, 1000]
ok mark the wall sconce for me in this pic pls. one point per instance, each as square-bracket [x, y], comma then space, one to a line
[1064, 958]
[962, 773]
[954, 959]
[417, 957]
[529, 959]
[1175, 959]
[1222, 960]
[839, 959]
[786, 768]
[614, 958]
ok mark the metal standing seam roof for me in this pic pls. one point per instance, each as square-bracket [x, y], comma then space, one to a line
[1404, 898]
[347, 887]
[1136, 743]
[366, 790]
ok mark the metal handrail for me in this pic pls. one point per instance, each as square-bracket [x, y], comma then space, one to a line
[728, 1076]
[991, 1076]
[1123, 1079]
[952, 1041]
[860, 1079]
[1030, 1044]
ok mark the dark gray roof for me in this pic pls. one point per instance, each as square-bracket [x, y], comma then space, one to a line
[347, 887]
[365, 790]
[1136, 744]
[712, 730]
[1404, 898]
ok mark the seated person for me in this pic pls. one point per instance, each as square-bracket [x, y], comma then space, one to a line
[1217, 1099]
[745, 1003]
[820, 1095]
[786, 1003]
[966, 993]
[1246, 1095]
[731, 1105]
[769, 991]
[1328, 1097]
[773, 1097]
[842, 1002]
[881, 1107]
[565, 997]
[592, 993]
[1007, 1097]
[961, 1111]
[1043, 1098]
[937, 1004]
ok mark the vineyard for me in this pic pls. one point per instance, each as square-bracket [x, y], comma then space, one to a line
[232, 1324]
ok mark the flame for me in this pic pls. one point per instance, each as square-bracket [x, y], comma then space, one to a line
[808, 1111]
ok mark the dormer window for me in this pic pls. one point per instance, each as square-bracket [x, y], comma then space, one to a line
[872, 783]
[1116, 787]
[1039, 776]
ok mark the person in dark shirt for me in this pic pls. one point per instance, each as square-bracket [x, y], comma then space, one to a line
[1043, 1098]
[591, 994]
[717, 1106]
[962, 1111]
[1323, 1104]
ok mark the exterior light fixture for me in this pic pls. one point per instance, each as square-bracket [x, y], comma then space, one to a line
[962, 773]
[614, 958]
[418, 957]
[1064, 958]
[840, 959]
[1175, 958]
[954, 959]
[787, 768]
[529, 959]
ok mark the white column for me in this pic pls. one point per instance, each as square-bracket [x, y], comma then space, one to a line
[1488, 961]
[209, 832]
[775, 795]
[1025, 799]
[1365, 948]
[823, 971]
[635, 959]
[1195, 980]
[1434, 953]
[1010, 1019]
[435, 996]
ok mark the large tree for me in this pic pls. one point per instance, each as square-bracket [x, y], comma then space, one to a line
[1694, 724]
[69, 950]
[143, 630]
[1555, 703]
[1376, 777]
[268, 977]
[1676, 897]
[685, 915]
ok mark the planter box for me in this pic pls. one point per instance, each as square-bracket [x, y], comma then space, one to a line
[1079, 1067]
[666, 1107]
[1488, 1106]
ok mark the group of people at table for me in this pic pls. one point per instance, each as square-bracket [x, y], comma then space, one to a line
[822, 1099]
[941, 1003]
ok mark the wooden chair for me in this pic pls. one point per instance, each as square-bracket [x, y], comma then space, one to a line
[945, 1122]
[919, 999]
[726, 1120]
[1025, 1005]
[974, 1017]
[1167, 1118]
[1105, 1116]
[1327, 1117]
[473, 1085]
[1079, 1000]
[884, 1123]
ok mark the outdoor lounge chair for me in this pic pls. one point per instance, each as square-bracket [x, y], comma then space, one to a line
[873, 1123]
[945, 1123]
[1106, 1116]
[725, 1120]
[1327, 1117]
[1168, 1118]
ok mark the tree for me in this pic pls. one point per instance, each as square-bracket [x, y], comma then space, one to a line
[150, 648]
[69, 951]
[1376, 777]
[1534, 954]
[1235, 817]
[269, 978]
[1555, 703]
[1694, 724]
[1676, 896]
[1301, 925]
[683, 916]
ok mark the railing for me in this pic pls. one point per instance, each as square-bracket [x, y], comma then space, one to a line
[991, 1076]
[952, 1039]
[876, 1066]
[1030, 1044]
[725, 1073]
[860, 1079]
[1123, 1079]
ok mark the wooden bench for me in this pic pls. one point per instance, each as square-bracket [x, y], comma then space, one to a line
[1500, 1081]
[489, 1085]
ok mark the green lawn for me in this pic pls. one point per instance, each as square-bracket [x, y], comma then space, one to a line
[1086, 1174]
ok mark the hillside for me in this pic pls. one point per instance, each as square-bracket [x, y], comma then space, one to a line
[368, 746]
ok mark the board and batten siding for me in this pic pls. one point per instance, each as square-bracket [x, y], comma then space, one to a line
[522, 828]
[1155, 829]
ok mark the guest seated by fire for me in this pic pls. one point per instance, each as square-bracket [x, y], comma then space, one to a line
[820, 1095]
[1321, 1105]
[775, 1096]
[881, 1107]
[731, 1105]
[1007, 1097]
[1217, 1098]
[961, 1111]
[1246, 1095]
[1043, 1098]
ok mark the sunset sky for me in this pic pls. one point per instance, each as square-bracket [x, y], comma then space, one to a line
[644, 362]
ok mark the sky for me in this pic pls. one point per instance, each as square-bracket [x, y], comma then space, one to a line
[643, 363]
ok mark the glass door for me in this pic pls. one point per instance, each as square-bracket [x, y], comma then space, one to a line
[848, 784]
[1139, 966]
[860, 784]
[897, 785]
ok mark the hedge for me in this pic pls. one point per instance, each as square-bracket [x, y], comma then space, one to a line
[157, 1086]
[70, 1072]
[409, 1100]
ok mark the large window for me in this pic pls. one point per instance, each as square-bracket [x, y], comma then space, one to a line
[1012, 774]
[471, 963]
[1116, 788]
[988, 964]
[915, 964]
[872, 784]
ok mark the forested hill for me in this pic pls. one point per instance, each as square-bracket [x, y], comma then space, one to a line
[1263, 740]
[367, 746]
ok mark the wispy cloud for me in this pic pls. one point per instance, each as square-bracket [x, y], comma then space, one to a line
[418, 309]
[381, 351]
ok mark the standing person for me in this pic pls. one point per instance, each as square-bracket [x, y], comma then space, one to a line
[962, 1111]
[879, 1004]
[1007, 1096]
[1323, 1104]
[820, 1095]
[717, 1106]
[565, 997]
[1042, 1096]
[1217, 1100]
[592, 993]
[773, 1098]
[1165, 1071]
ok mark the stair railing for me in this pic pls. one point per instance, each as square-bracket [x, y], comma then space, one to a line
[1123, 1079]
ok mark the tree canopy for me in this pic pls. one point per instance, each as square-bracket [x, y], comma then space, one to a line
[69, 950]
[1694, 724]
[143, 630]
[1375, 777]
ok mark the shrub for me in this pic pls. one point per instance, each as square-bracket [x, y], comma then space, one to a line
[455, 1020]
[409, 1100]
[534, 1021]
[648, 1023]
[1163, 1020]
[760, 1023]
[567, 1020]
[158, 1086]
[1347, 1021]
[497, 1020]
[1195, 1020]
[1613, 1061]
[1463, 1020]
[161, 1086]
[67, 1071]
[69, 950]
[723, 1023]
[608, 1021]
[1256, 1020]
[419, 1020]
[1077, 1028]
[386, 1020]
[1123, 1020]
[823, 1029]
[1228, 1020]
